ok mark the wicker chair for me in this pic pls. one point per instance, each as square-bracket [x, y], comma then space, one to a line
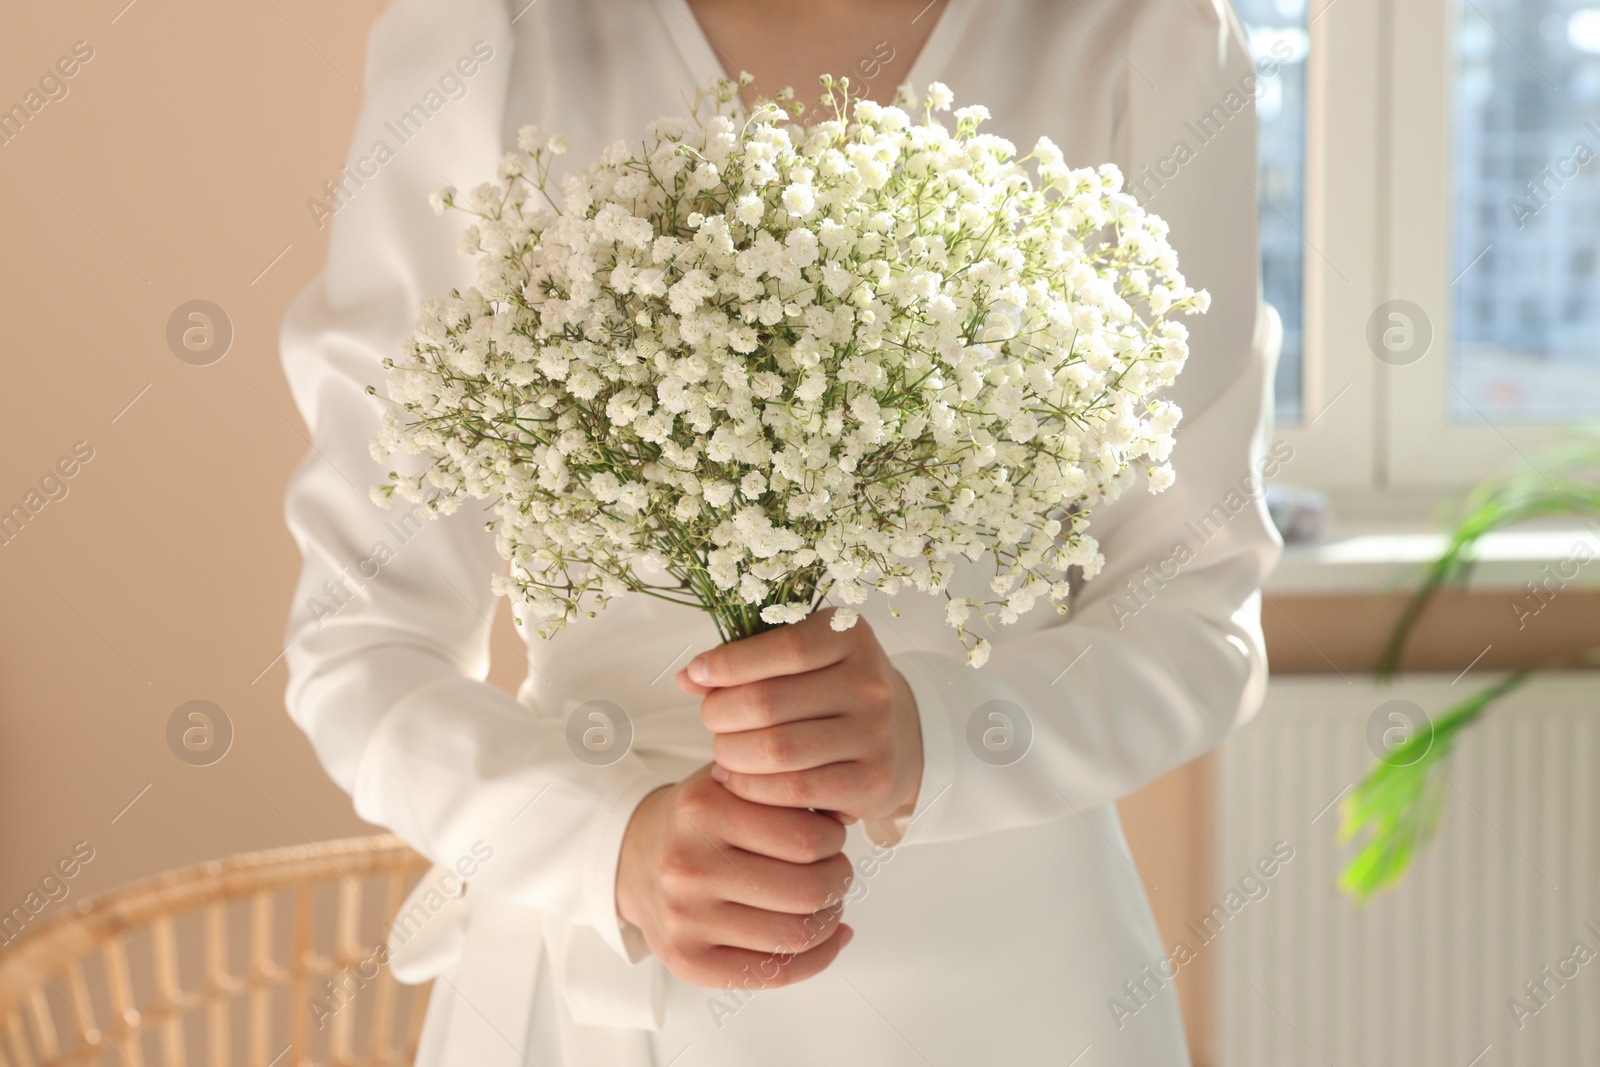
[270, 959]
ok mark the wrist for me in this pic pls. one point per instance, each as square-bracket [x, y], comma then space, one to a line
[912, 760]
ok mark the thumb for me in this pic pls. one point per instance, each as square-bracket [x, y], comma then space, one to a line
[690, 686]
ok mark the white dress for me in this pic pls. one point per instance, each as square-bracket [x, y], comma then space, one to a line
[1003, 924]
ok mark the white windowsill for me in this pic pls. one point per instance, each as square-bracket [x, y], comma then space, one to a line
[1374, 561]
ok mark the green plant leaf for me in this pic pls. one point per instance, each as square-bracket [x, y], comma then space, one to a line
[1399, 803]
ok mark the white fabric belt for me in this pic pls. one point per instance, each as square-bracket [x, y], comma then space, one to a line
[469, 941]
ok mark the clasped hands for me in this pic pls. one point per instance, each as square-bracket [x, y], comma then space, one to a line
[737, 871]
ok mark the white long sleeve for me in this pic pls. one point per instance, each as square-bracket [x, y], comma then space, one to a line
[1135, 681]
[389, 635]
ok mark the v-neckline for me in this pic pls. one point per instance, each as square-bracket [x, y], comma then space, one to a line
[701, 58]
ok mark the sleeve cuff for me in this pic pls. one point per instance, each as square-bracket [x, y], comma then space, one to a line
[608, 975]
[933, 681]
[603, 853]
[596, 881]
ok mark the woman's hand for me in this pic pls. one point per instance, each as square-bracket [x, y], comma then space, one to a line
[729, 891]
[806, 716]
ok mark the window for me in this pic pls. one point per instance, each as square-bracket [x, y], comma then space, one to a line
[1451, 176]
[1527, 118]
[1281, 108]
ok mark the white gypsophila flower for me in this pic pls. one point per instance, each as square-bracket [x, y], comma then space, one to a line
[780, 363]
[779, 614]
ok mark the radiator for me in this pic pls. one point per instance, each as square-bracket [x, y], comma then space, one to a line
[1490, 916]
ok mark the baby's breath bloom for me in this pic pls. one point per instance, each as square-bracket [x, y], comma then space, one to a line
[777, 614]
[786, 364]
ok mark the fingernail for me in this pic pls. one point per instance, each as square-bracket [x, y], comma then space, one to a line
[845, 935]
[719, 772]
[697, 671]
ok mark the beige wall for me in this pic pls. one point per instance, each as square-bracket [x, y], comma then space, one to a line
[176, 168]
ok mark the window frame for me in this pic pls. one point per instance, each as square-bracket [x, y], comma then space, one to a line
[1334, 446]
[1378, 435]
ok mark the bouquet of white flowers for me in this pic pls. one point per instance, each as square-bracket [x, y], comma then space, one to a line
[760, 363]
